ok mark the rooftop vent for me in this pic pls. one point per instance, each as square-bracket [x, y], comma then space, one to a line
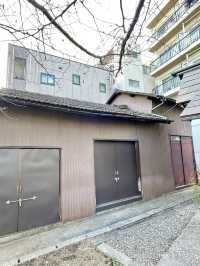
[123, 106]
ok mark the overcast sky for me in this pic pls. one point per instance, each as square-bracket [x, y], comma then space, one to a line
[79, 23]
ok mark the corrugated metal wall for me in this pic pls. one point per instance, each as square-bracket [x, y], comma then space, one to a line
[75, 136]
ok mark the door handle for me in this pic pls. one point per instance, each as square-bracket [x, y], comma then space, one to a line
[116, 172]
[116, 179]
[19, 201]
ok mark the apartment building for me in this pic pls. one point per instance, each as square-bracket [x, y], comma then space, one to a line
[176, 42]
[135, 76]
[34, 71]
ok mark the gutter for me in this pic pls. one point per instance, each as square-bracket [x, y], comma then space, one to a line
[181, 71]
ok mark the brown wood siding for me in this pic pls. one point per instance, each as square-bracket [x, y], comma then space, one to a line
[190, 85]
[75, 136]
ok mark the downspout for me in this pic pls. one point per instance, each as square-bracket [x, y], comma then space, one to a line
[160, 104]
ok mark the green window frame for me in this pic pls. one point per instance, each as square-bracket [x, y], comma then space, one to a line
[102, 87]
[76, 79]
[133, 84]
[47, 79]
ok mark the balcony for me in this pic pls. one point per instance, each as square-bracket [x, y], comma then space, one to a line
[166, 87]
[178, 47]
[179, 13]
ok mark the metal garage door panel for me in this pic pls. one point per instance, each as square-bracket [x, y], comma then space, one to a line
[126, 164]
[104, 172]
[40, 178]
[8, 190]
[188, 159]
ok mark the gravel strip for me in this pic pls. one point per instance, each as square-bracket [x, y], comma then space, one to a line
[147, 241]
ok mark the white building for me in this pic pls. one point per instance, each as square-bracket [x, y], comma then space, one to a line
[135, 75]
[30, 70]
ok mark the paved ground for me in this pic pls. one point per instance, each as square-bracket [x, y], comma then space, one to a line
[185, 251]
[169, 238]
[23, 246]
[146, 242]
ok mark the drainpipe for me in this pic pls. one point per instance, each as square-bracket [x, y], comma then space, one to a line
[160, 104]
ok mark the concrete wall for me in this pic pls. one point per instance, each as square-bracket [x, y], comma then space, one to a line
[136, 102]
[75, 136]
[63, 70]
[178, 127]
[133, 69]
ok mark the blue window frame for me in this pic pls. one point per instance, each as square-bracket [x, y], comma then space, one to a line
[47, 79]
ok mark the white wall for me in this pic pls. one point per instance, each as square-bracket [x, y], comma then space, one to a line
[3, 64]
[196, 141]
[62, 69]
[133, 69]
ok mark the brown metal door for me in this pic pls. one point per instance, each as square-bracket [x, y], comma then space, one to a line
[177, 162]
[116, 171]
[104, 155]
[8, 191]
[188, 159]
[126, 165]
[40, 188]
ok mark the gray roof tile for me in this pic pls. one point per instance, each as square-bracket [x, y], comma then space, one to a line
[76, 106]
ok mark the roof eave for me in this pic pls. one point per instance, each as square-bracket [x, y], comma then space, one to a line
[77, 111]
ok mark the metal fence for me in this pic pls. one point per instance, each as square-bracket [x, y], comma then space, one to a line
[179, 46]
[167, 86]
[179, 12]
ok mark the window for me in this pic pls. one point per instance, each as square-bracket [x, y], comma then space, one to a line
[133, 84]
[76, 79]
[102, 87]
[47, 79]
[19, 68]
[146, 70]
[134, 54]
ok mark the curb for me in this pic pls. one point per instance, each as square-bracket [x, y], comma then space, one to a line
[114, 254]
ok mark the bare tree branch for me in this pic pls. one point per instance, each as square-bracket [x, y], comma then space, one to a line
[130, 30]
[123, 17]
[63, 31]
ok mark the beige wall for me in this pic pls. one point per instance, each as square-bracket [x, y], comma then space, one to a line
[137, 102]
[75, 136]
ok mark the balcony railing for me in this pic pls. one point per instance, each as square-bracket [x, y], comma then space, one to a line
[171, 84]
[180, 11]
[179, 46]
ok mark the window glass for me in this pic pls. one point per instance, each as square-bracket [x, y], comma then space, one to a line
[19, 68]
[134, 84]
[47, 79]
[102, 87]
[50, 79]
[146, 70]
[76, 79]
[134, 54]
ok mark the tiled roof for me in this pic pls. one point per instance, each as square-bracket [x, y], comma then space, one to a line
[44, 101]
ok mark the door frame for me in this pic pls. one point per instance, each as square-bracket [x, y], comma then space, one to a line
[138, 166]
[60, 161]
[196, 179]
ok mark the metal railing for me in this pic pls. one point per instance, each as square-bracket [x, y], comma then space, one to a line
[179, 46]
[170, 84]
[179, 12]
